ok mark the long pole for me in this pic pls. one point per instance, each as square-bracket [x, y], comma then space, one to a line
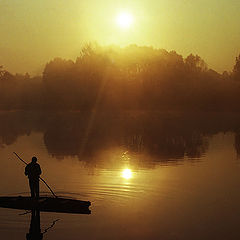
[39, 177]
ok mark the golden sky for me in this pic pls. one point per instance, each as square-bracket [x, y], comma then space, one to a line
[32, 31]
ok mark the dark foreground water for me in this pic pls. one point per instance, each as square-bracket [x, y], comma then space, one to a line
[148, 176]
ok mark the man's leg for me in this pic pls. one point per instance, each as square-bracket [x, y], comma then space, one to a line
[31, 185]
[37, 188]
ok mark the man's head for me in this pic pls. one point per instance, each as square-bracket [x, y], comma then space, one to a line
[34, 159]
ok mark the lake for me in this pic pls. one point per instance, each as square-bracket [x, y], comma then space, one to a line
[149, 175]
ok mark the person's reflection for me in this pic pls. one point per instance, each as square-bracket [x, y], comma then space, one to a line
[35, 229]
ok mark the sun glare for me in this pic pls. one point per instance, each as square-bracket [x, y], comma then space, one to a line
[124, 20]
[127, 173]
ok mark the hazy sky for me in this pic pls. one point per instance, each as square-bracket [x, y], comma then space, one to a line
[32, 31]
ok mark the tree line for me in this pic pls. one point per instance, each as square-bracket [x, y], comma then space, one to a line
[131, 78]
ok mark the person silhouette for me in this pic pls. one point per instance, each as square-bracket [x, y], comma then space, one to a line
[35, 228]
[33, 171]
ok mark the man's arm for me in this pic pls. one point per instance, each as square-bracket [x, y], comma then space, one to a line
[26, 170]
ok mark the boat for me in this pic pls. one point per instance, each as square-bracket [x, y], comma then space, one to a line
[46, 204]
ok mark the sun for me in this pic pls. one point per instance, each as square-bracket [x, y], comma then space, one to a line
[124, 20]
[127, 173]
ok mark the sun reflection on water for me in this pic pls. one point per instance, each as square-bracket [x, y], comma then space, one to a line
[127, 173]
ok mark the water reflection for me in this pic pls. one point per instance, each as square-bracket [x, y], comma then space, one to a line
[184, 199]
[163, 136]
[35, 232]
[35, 228]
[127, 173]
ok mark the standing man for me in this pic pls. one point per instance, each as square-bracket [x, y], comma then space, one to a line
[33, 171]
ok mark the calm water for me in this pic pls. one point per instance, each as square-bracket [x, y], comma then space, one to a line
[182, 181]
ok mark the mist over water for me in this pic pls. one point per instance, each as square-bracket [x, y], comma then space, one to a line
[182, 179]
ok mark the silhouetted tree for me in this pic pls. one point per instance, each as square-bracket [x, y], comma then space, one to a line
[195, 63]
[236, 69]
